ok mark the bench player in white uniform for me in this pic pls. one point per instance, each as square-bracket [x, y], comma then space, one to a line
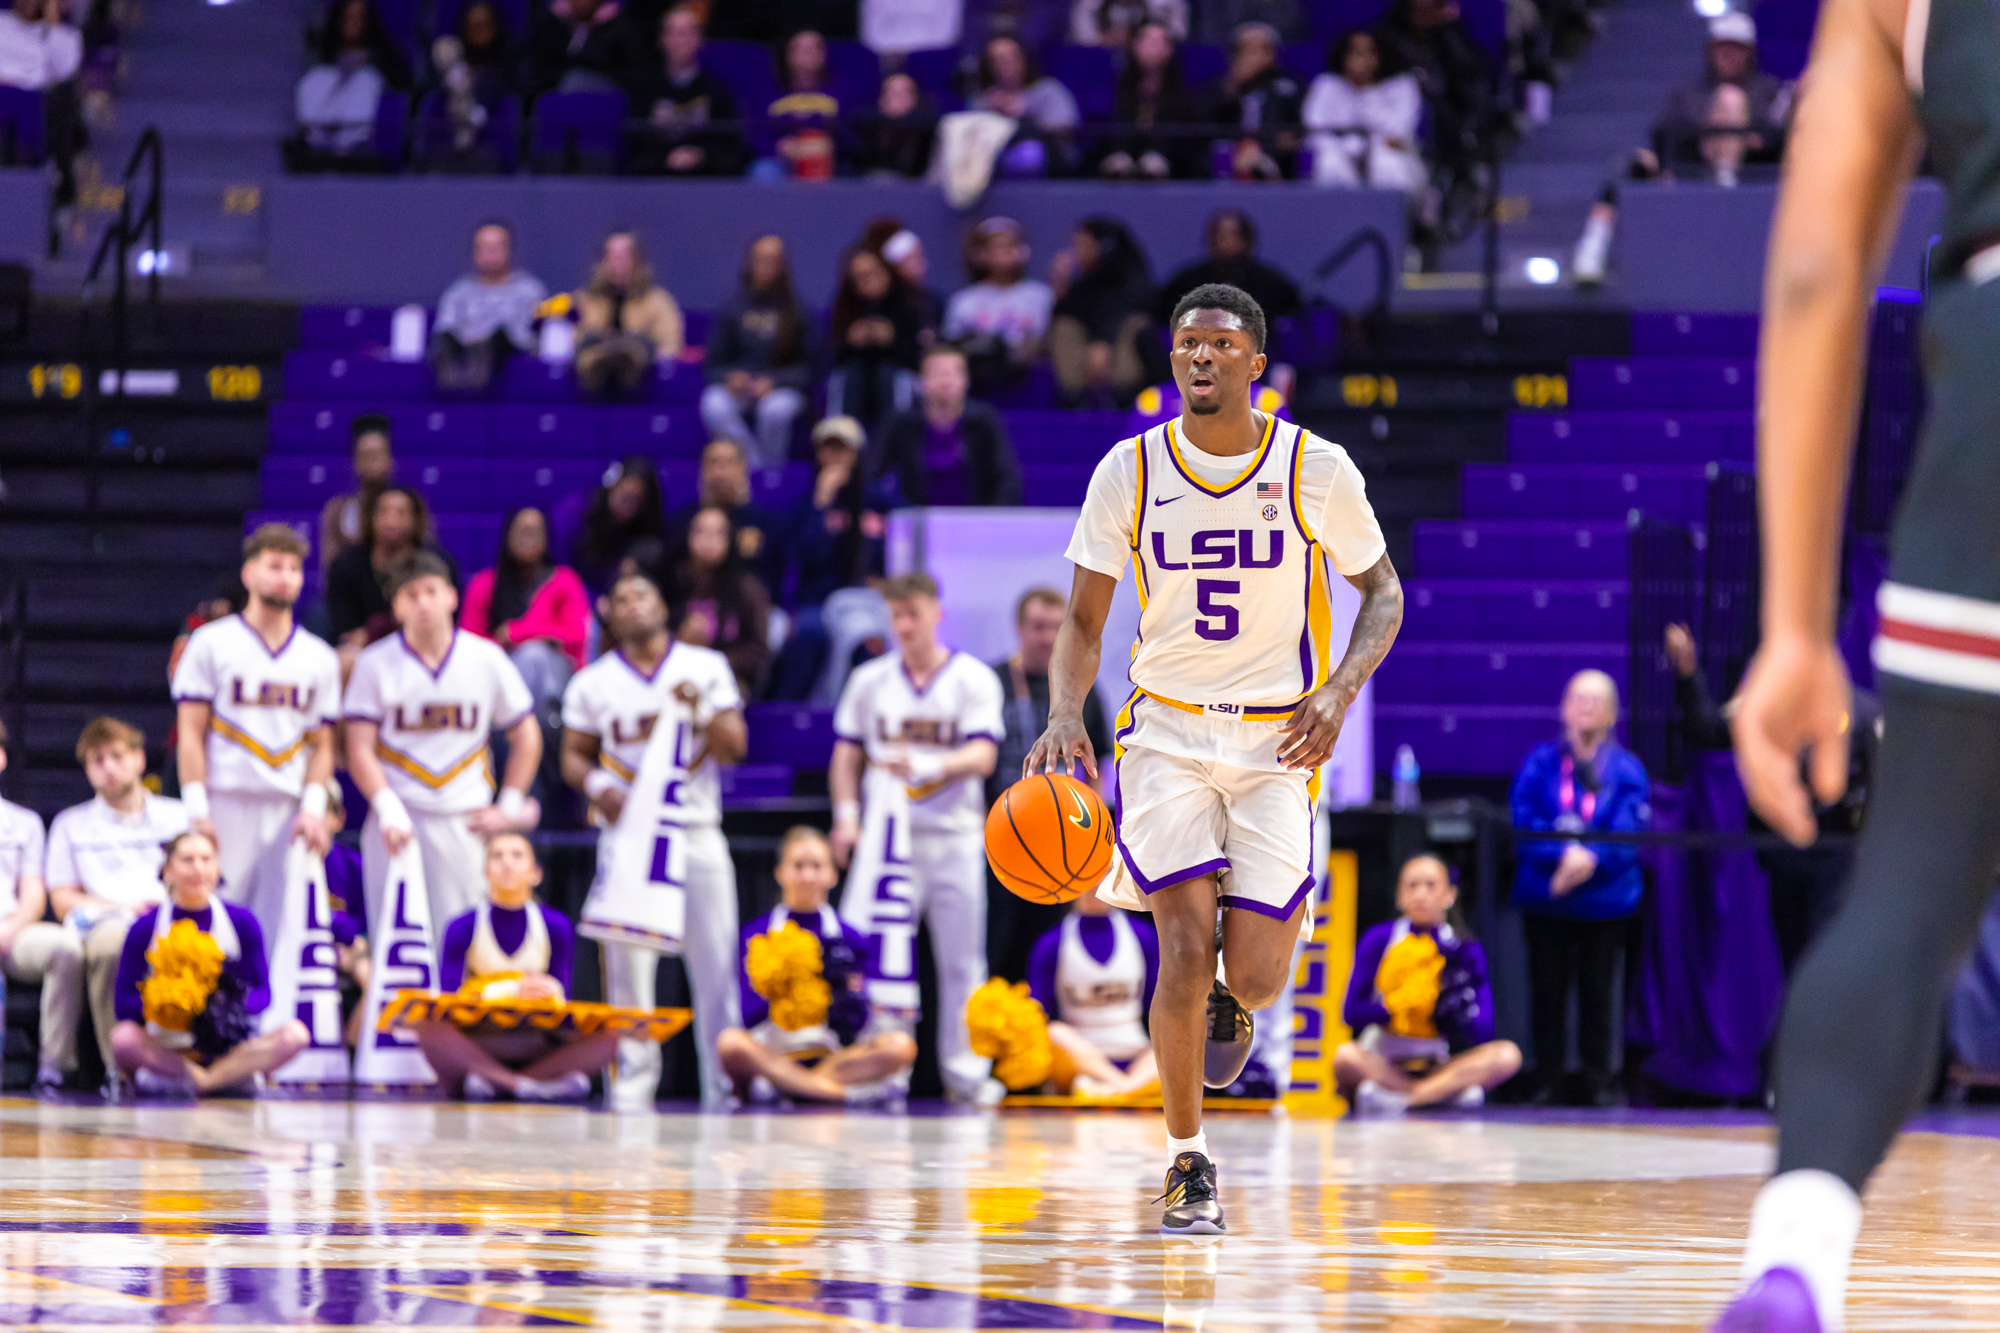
[257, 698]
[420, 707]
[928, 721]
[609, 712]
[1230, 517]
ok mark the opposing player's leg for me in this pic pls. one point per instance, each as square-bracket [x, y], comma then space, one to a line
[951, 874]
[708, 950]
[1860, 1032]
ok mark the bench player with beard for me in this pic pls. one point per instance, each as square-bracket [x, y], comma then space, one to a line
[1230, 517]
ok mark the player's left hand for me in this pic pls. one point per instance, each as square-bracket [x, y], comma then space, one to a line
[315, 832]
[492, 819]
[1310, 732]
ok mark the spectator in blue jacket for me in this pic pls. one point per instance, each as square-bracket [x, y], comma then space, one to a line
[1420, 1006]
[1577, 898]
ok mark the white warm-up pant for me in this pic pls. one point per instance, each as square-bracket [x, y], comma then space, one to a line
[708, 951]
[454, 867]
[253, 832]
[943, 886]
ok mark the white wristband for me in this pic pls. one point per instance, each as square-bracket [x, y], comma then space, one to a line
[390, 812]
[925, 769]
[847, 812]
[598, 781]
[313, 800]
[194, 796]
[512, 804]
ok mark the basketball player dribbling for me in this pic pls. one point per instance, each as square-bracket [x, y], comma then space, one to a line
[1228, 513]
[1860, 1032]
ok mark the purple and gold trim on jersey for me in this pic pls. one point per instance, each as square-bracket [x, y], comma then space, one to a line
[264, 754]
[436, 781]
[1256, 461]
[610, 764]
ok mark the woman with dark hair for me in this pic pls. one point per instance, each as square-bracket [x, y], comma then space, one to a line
[714, 601]
[536, 609]
[760, 358]
[621, 512]
[896, 140]
[477, 67]
[1363, 127]
[395, 526]
[625, 321]
[805, 120]
[1152, 93]
[1012, 85]
[875, 339]
[336, 100]
[1104, 297]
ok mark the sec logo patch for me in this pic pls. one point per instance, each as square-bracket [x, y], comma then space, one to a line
[1270, 512]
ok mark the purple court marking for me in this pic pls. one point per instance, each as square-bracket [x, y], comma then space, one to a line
[316, 1296]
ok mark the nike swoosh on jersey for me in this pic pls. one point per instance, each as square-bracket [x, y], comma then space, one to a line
[1169, 500]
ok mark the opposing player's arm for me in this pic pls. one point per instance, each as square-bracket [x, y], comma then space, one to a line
[1852, 147]
[1310, 733]
[843, 784]
[1072, 670]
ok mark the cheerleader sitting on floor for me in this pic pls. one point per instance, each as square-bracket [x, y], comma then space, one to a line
[1419, 999]
[1094, 976]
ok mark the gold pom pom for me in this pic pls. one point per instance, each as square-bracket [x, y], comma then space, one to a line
[1007, 1025]
[185, 964]
[785, 967]
[1409, 982]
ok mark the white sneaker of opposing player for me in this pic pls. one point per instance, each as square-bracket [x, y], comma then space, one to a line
[1372, 1099]
[571, 1087]
[477, 1089]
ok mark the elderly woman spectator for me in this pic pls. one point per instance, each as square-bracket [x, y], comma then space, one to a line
[1577, 897]
[759, 359]
[1102, 311]
[533, 607]
[626, 322]
[1010, 84]
[1151, 103]
[485, 316]
[1362, 126]
[1255, 107]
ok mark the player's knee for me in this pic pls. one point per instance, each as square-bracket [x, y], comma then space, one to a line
[1187, 954]
[1258, 987]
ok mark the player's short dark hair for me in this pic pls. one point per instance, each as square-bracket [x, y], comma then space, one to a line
[1044, 596]
[102, 731]
[905, 586]
[639, 576]
[280, 537]
[368, 423]
[522, 834]
[414, 566]
[1221, 296]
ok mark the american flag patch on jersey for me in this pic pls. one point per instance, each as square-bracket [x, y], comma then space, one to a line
[1270, 490]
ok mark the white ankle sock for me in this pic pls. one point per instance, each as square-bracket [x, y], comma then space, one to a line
[1199, 1143]
[1806, 1221]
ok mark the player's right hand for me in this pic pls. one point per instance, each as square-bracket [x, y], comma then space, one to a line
[1065, 742]
[609, 804]
[1795, 697]
[396, 840]
[846, 832]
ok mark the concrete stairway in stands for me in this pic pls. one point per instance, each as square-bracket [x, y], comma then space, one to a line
[1530, 584]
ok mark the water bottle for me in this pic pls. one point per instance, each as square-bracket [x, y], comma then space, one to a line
[1403, 780]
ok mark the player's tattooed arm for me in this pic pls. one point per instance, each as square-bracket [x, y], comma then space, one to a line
[1309, 735]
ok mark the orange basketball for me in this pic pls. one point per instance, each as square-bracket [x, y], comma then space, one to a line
[1048, 838]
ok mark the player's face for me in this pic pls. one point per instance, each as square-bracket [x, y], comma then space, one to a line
[425, 603]
[1214, 361]
[637, 611]
[275, 578]
[511, 872]
[191, 872]
[915, 621]
[114, 769]
[1424, 892]
[806, 875]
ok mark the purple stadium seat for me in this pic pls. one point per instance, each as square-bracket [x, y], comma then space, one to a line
[311, 428]
[513, 17]
[1047, 435]
[1672, 493]
[1330, 18]
[472, 539]
[936, 72]
[529, 379]
[1303, 60]
[662, 432]
[1055, 485]
[790, 734]
[854, 71]
[778, 489]
[345, 328]
[302, 483]
[542, 482]
[431, 430]
[522, 430]
[1091, 75]
[1492, 673]
[452, 485]
[1631, 437]
[1675, 333]
[1453, 740]
[749, 71]
[697, 324]
[1553, 611]
[501, 134]
[392, 128]
[677, 383]
[584, 130]
[1784, 36]
[21, 131]
[1704, 382]
[743, 783]
[1520, 549]
[1205, 64]
[348, 376]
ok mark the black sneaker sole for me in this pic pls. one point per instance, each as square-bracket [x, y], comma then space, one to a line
[1195, 1229]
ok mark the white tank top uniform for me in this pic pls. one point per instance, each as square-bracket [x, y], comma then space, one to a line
[485, 958]
[1229, 557]
[265, 707]
[434, 724]
[614, 701]
[1104, 1001]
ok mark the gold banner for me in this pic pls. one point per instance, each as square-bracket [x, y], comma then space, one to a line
[411, 1007]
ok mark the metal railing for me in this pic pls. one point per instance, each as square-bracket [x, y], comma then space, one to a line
[127, 228]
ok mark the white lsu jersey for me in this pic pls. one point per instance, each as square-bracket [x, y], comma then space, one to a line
[611, 700]
[1234, 610]
[265, 707]
[23, 844]
[883, 712]
[434, 724]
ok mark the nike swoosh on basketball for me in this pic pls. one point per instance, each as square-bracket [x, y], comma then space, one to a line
[1082, 816]
[1169, 500]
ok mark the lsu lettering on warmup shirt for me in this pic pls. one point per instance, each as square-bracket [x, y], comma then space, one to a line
[1227, 552]
[264, 707]
[613, 701]
[882, 710]
[434, 724]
